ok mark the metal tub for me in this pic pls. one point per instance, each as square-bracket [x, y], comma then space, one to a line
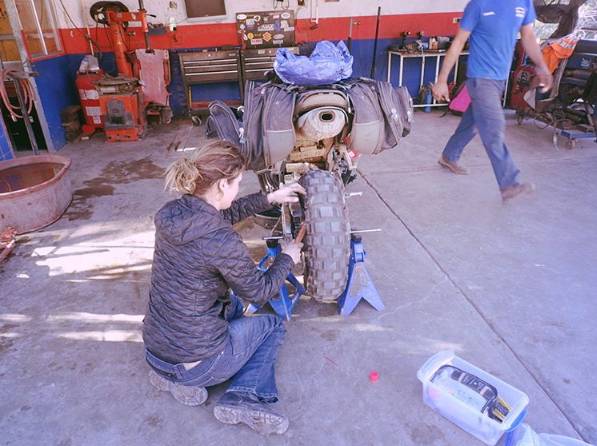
[34, 191]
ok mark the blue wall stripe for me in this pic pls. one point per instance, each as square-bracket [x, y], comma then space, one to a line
[56, 86]
[5, 152]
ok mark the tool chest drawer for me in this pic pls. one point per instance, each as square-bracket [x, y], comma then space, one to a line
[210, 66]
[256, 62]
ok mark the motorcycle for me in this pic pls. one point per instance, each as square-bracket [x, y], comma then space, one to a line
[315, 136]
[571, 104]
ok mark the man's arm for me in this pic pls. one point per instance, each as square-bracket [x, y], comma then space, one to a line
[531, 47]
[440, 88]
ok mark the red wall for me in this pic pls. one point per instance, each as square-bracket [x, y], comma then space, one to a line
[212, 35]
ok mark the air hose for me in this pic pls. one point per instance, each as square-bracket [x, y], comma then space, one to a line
[26, 91]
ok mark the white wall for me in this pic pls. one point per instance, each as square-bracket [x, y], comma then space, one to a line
[79, 9]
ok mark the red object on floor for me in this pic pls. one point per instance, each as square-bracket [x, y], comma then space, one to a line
[373, 376]
[7, 242]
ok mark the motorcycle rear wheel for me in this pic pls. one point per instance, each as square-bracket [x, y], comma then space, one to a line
[327, 240]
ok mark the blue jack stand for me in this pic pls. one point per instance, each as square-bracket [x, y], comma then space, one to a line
[284, 303]
[359, 286]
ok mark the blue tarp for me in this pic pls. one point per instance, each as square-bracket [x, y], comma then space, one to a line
[328, 63]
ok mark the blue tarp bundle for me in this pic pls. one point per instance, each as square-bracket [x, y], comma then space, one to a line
[328, 63]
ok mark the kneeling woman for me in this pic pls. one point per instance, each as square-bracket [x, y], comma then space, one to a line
[194, 331]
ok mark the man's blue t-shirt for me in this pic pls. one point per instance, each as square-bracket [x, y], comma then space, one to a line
[494, 26]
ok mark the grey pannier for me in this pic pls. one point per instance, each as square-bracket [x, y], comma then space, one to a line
[382, 115]
[266, 135]
[222, 123]
[278, 126]
[268, 126]
[397, 106]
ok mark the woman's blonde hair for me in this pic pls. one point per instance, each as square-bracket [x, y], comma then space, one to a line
[211, 163]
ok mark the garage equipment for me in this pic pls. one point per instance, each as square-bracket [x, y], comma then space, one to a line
[139, 91]
[88, 75]
[472, 390]
[232, 65]
[284, 302]
[478, 402]
[121, 108]
[209, 67]
[25, 98]
[570, 108]
[256, 63]
[359, 286]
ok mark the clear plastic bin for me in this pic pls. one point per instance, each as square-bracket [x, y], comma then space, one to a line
[479, 424]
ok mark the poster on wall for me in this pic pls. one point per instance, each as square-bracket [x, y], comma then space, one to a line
[266, 29]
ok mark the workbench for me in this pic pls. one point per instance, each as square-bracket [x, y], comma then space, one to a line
[424, 56]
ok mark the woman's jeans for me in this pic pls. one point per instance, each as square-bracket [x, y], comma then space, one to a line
[249, 357]
[486, 116]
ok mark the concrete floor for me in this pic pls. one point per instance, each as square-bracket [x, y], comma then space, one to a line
[510, 288]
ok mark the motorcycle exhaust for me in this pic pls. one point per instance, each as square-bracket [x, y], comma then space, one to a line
[322, 123]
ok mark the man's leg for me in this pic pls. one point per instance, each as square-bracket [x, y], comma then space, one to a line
[464, 133]
[489, 118]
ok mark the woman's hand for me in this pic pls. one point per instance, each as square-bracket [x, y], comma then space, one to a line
[292, 249]
[286, 194]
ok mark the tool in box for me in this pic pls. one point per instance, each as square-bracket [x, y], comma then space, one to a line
[473, 391]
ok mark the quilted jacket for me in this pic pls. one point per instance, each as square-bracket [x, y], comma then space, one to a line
[198, 256]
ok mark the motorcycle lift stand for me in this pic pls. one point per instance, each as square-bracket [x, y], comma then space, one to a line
[358, 287]
[284, 302]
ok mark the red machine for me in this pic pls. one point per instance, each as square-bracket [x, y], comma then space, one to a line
[121, 104]
[521, 84]
[121, 108]
[569, 108]
[90, 103]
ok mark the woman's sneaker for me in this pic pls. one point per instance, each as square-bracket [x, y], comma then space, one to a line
[187, 395]
[237, 407]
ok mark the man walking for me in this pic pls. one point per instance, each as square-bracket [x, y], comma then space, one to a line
[493, 26]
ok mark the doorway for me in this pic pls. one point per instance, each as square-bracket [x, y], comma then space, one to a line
[27, 31]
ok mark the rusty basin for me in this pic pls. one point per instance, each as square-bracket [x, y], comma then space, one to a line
[34, 191]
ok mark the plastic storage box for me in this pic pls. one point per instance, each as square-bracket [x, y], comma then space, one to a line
[474, 422]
